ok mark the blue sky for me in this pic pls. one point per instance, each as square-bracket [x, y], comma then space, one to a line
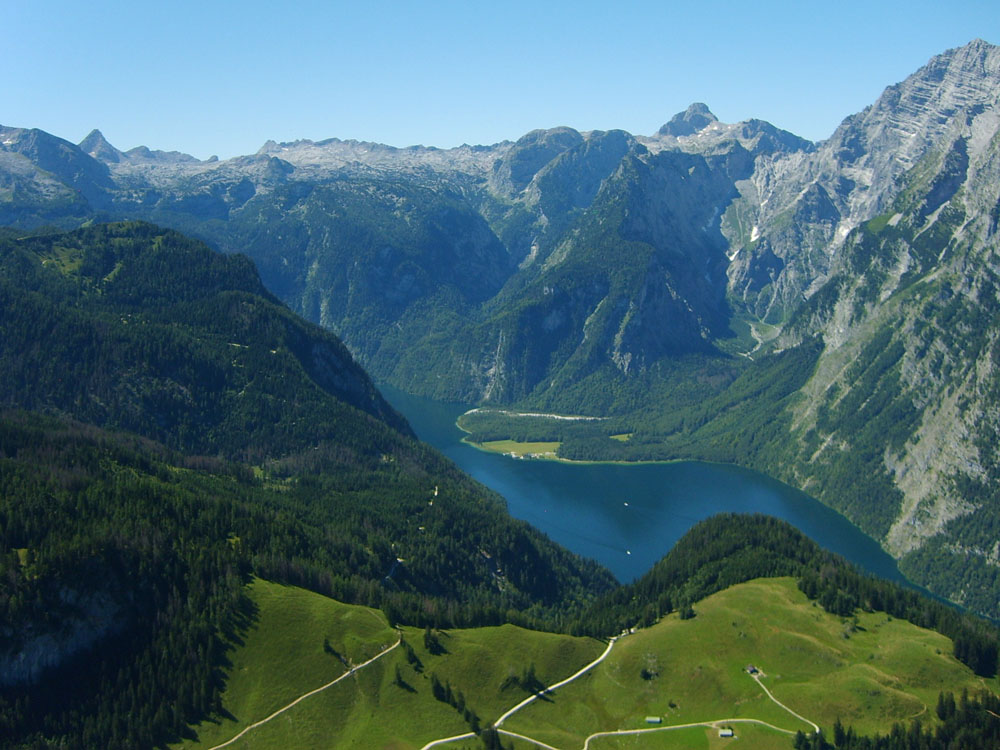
[223, 77]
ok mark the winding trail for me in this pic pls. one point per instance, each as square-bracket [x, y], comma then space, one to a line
[535, 696]
[446, 740]
[771, 696]
[532, 740]
[710, 724]
[527, 701]
[301, 698]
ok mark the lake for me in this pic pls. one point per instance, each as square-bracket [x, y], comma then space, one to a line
[628, 516]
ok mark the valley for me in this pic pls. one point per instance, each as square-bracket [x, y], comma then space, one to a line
[641, 509]
[703, 288]
[709, 348]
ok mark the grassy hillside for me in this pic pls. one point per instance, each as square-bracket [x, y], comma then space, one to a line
[868, 671]
[293, 643]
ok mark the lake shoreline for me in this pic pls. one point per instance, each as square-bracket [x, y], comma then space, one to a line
[627, 515]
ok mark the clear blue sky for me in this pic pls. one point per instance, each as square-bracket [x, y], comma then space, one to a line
[214, 77]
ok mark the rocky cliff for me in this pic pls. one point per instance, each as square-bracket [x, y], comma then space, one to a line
[796, 209]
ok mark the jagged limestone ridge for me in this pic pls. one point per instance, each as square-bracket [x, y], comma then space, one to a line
[922, 280]
[796, 209]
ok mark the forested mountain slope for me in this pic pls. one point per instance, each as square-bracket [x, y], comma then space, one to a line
[137, 328]
[170, 428]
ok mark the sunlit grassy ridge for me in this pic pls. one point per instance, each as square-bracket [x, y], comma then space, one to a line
[295, 641]
[868, 671]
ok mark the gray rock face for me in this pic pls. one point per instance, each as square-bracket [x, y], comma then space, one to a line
[513, 171]
[98, 147]
[909, 323]
[62, 160]
[90, 619]
[571, 180]
[854, 176]
[695, 118]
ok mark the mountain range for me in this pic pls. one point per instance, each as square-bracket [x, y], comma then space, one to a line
[826, 312]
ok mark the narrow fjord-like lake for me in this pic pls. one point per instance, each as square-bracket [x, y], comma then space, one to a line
[628, 516]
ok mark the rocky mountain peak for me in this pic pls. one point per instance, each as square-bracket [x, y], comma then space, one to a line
[532, 151]
[97, 146]
[955, 94]
[269, 147]
[145, 154]
[912, 115]
[978, 58]
[695, 118]
[61, 159]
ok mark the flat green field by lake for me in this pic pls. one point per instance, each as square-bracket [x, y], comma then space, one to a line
[520, 450]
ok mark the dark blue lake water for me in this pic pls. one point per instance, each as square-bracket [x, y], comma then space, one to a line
[628, 516]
